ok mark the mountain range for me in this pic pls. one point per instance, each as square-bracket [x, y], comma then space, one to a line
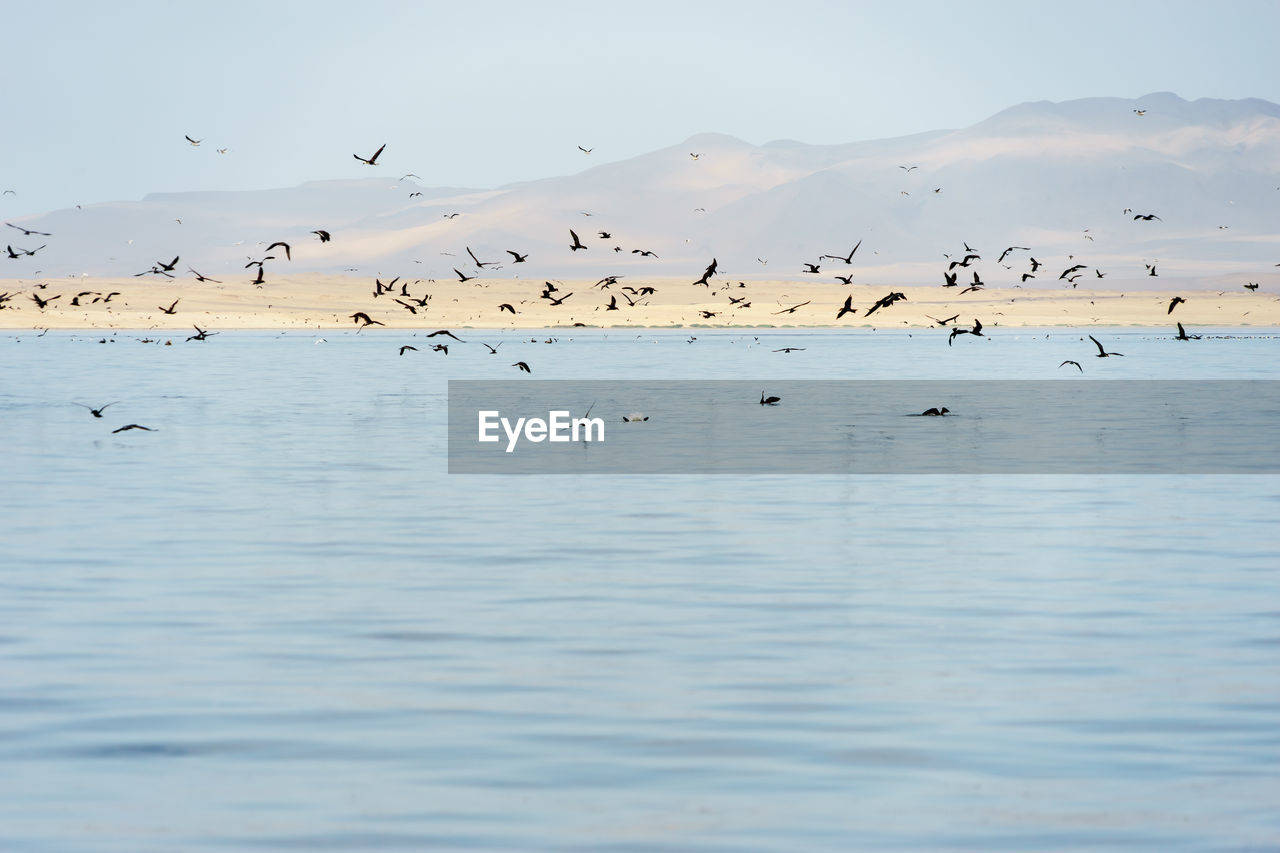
[1065, 180]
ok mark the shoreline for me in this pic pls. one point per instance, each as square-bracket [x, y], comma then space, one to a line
[319, 302]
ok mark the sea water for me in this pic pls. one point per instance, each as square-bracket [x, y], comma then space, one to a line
[275, 621]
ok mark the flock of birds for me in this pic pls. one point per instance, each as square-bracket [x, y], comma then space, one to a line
[737, 298]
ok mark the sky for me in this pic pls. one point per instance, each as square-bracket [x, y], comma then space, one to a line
[97, 97]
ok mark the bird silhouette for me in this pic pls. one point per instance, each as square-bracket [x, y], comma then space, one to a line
[848, 259]
[131, 426]
[1076, 363]
[847, 308]
[1183, 336]
[372, 160]
[769, 401]
[522, 366]
[287, 252]
[97, 413]
[406, 347]
[170, 310]
[519, 258]
[322, 234]
[365, 320]
[707, 273]
[1102, 353]
[1174, 303]
[577, 244]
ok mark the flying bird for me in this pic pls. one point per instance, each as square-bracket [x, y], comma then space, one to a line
[848, 259]
[193, 141]
[287, 253]
[97, 413]
[522, 366]
[447, 333]
[27, 231]
[200, 277]
[170, 310]
[506, 307]
[1102, 353]
[407, 347]
[131, 426]
[707, 273]
[1076, 363]
[1174, 303]
[1146, 217]
[1183, 336]
[322, 234]
[365, 320]
[519, 258]
[847, 308]
[372, 160]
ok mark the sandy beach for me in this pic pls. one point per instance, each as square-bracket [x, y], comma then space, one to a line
[328, 302]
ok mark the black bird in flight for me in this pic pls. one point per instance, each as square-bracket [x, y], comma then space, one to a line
[493, 350]
[950, 319]
[131, 426]
[97, 413]
[522, 366]
[1008, 250]
[846, 308]
[553, 300]
[365, 320]
[170, 310]
[812, 268]
[1151, 269]
[848, 259]
[577, 244]
[950, 278]
[200, 334]
[769, 401]
[791, 349]
[372, 160]
[908, 168]
[1101, 352]
[479, 263]
[261, 279]
[169, 266]
[707, 273]
[1076, 363]
[193, 141]
[1183, 336]
[287, 253]
[1069, 271]
[27, 231]
[41, 303]
[464, 278]
[322, 234]
[506, 307]
[519, 258]
[965, 262]
[613, 303]
[447, 333]
[585, 150]
[1253, 285]
[203, 277]
[407, 347]
[793, 308]
[885, 302]
[1174, 303]
[1146, 217]
[844, 279]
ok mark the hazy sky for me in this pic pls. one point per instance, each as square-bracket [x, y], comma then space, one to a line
[98, 95]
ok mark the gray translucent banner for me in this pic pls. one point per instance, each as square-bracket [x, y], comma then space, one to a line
[865, 427]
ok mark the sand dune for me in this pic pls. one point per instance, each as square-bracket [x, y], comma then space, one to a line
[327, 302]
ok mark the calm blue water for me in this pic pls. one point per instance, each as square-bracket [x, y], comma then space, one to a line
[276, 623]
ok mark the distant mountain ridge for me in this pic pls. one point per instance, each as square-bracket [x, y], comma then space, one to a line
[1064, 179]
